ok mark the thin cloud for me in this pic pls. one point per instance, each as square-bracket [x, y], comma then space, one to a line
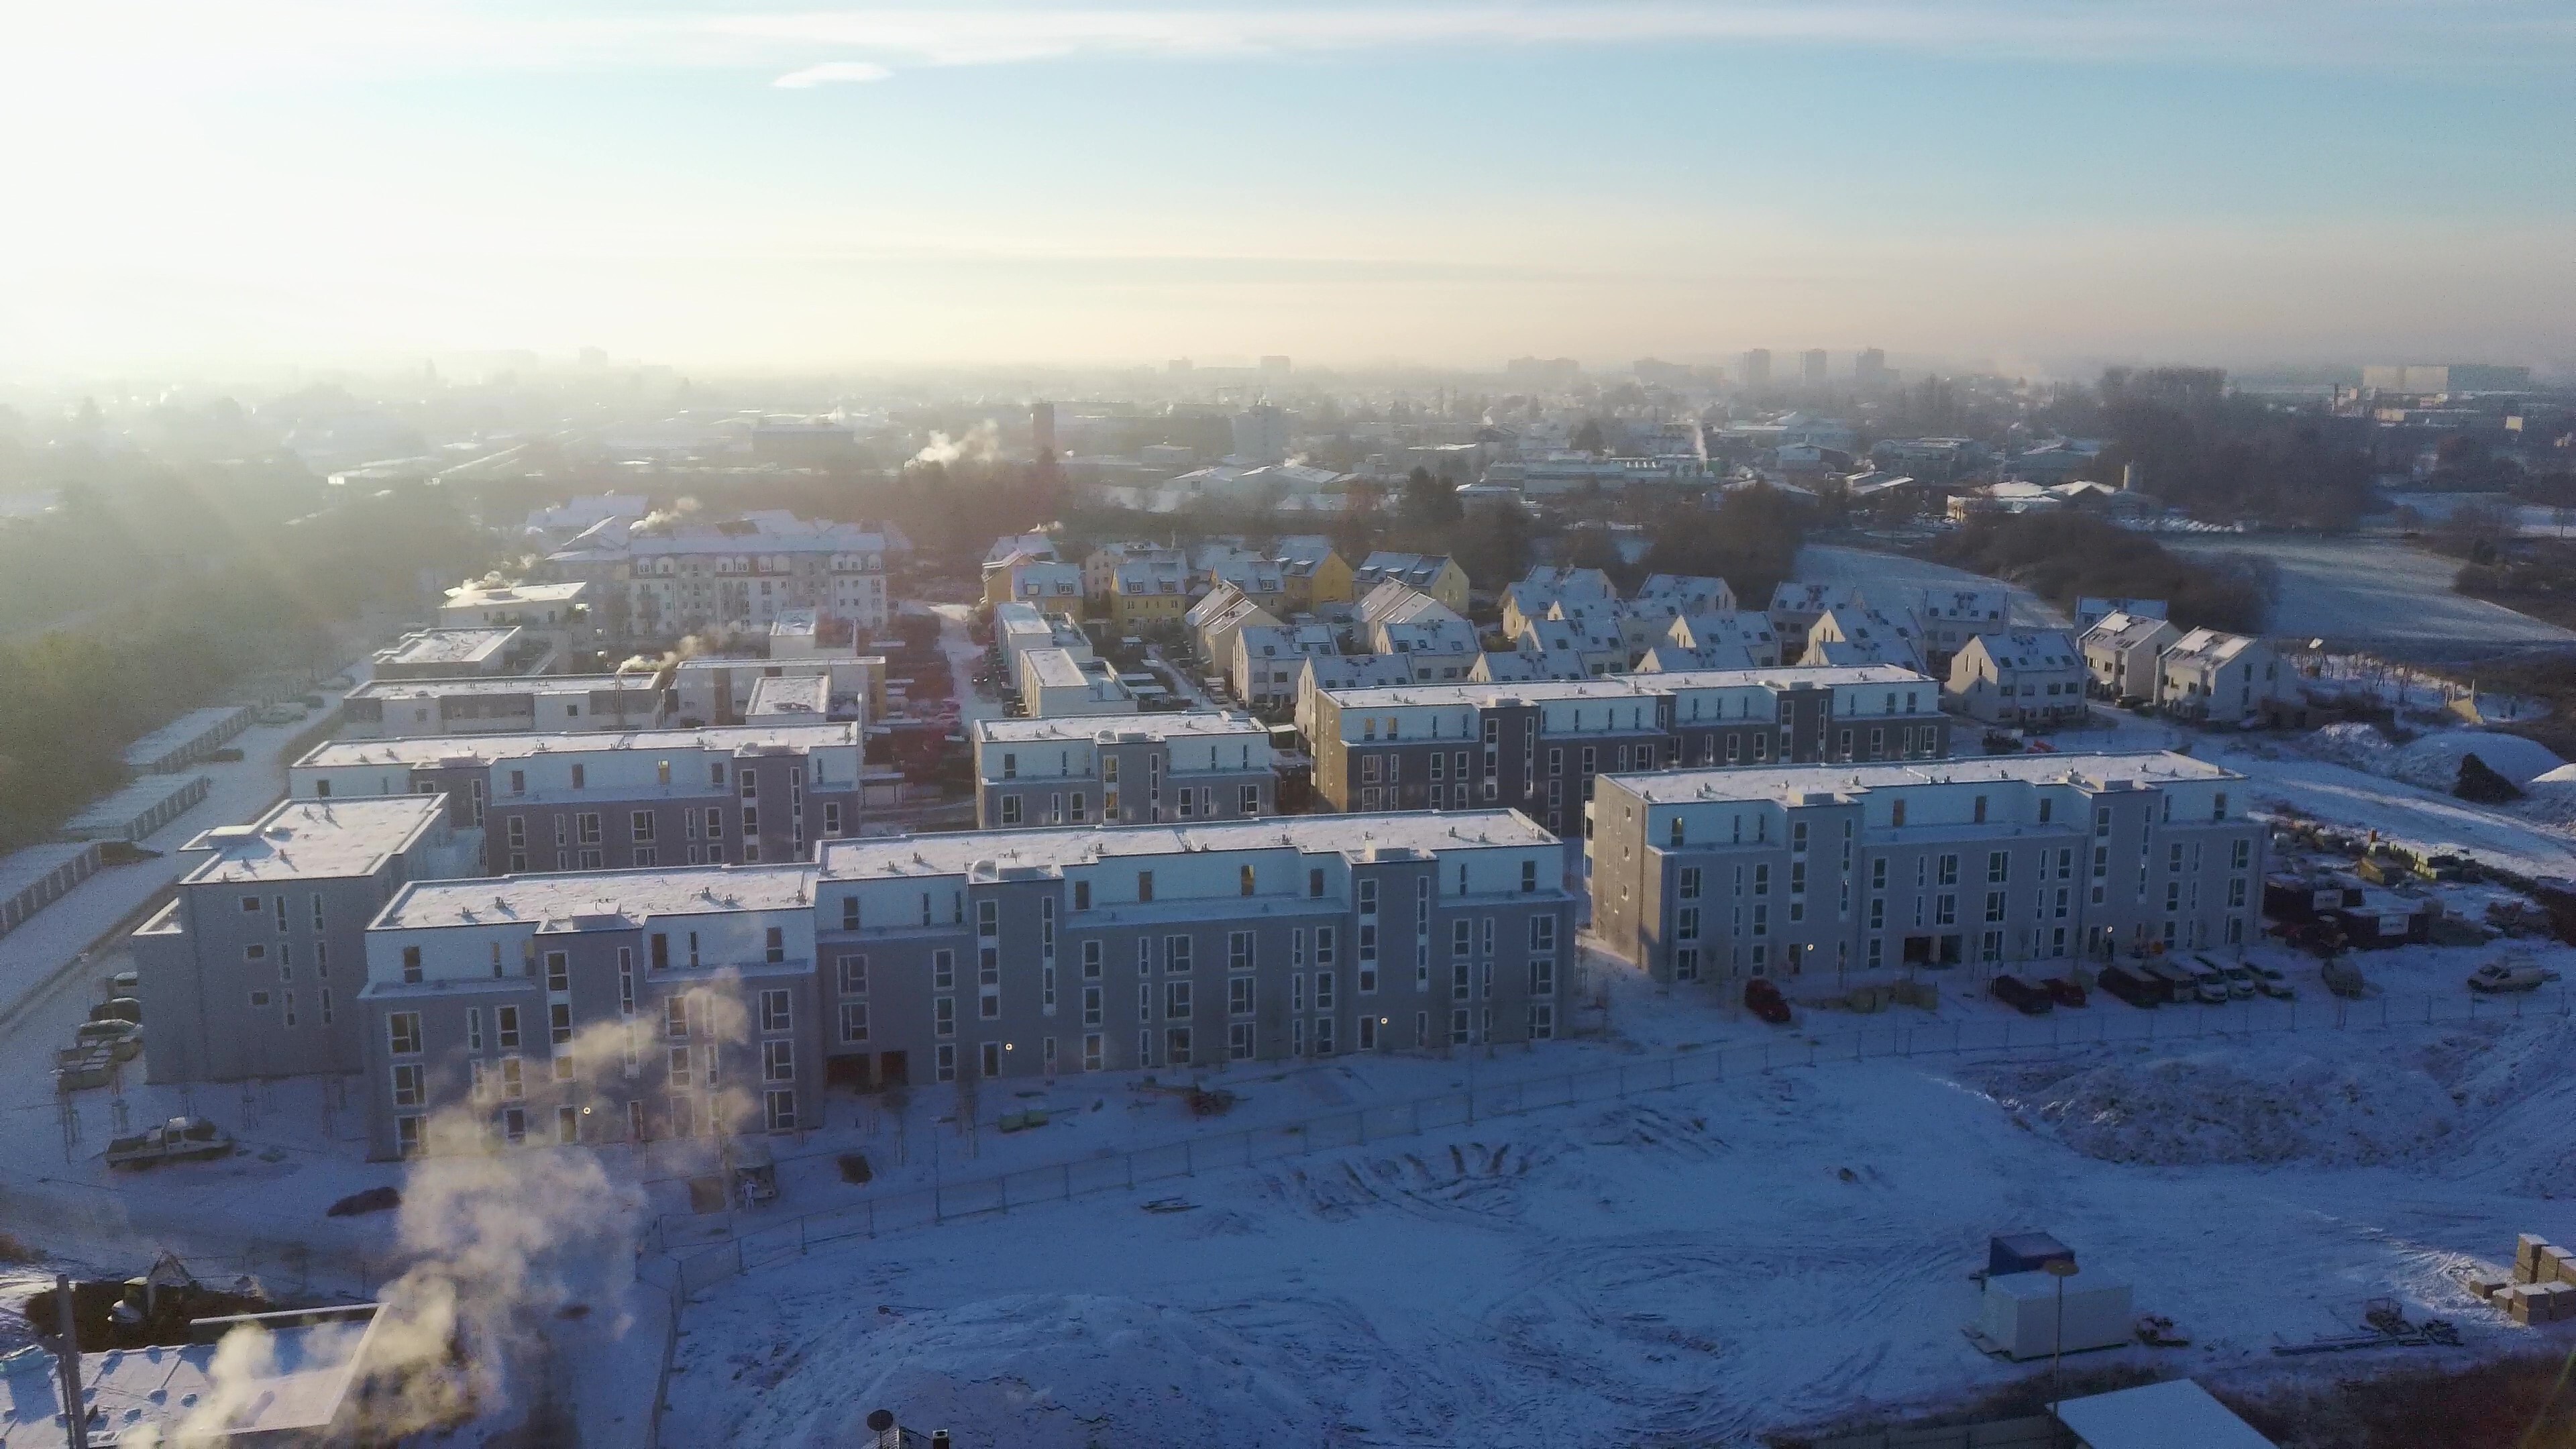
[832, 72]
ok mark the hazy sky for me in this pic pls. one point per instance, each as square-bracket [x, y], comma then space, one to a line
[1410, 180]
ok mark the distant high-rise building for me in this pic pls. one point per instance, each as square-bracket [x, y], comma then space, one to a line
[1870, 368]
[2423, 377]
[1261, 435]
[1042, 428]
[1757, 367]
[1274, 365]
[1811, 366]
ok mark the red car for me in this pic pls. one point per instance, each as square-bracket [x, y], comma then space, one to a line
[2063, 990]
[1764, 1000]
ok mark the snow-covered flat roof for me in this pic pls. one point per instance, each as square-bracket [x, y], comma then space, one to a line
[1196, 724]
[296, 1388]
[314, 839]
[1673, 786]
[955, 853]
[614, 894]
[2175, 1414]
[1628, 686]
[449, 646]
[446, 749]
[513, 684]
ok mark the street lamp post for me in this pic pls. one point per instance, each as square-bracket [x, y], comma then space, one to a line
[2060, 1269]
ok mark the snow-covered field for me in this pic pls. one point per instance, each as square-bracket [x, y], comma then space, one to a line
[1832, 563]
[1684, 1267]
[2377, 594]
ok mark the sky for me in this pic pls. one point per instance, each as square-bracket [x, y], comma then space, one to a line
[2037, 183]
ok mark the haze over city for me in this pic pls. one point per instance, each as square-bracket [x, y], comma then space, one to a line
[2039, 186]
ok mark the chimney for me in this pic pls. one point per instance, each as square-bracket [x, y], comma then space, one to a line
[2128, 476]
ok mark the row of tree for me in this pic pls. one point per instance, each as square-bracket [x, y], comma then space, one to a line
[2064, 556]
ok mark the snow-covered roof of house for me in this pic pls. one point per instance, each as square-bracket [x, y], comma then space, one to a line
[1514, 665]
[1192, 724]
[2124, 631]
[2030, 649]
[1284, 641]
[2207, 648]
[1739, 783]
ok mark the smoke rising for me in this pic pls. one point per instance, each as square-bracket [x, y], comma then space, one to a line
[982, 443]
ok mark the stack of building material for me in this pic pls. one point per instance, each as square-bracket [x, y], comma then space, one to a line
[2542, 1288]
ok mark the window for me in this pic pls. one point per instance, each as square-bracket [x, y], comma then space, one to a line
[774, 944]
[1010, 810]
[410, 1084]
[1176, 953]
[943, 1016]
[1239, 996]
[1238, 951]
[778, 1061]
[854, 1021]
[558, 971]
[774, 1010]
[1144, 885]
[1176, 999]
[410, 964]
[505, 1021]
[1323, 991]
[1082, 895]
[640, 824]
[402, 1033]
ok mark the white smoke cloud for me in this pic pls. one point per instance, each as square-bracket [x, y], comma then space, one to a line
[982, 443]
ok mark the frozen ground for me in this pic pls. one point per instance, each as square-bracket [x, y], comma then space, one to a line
[1830, 563]
[1683, 1267]
[2377, 594]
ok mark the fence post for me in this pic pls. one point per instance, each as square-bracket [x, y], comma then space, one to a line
[1189, 1160]
[872, 1217]
[938, 1210]
[1068, 1182]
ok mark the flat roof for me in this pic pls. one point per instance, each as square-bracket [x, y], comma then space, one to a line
[1629, 686]
[297, 1386]
[791, 695]
[2175, 1414]
[954, 853]
[22, 868]
[314, 839]
[636, 682]
[476, 597]
[1059, 669]
[184, 729]
[449, 646]
[599, 897]
[1089, 729]
[131, 801]
[1671, 786]
[441, 749]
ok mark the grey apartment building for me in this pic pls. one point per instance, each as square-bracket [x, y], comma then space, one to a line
[554, 703]
[1535, 745]
[2023, 859]
[255, 966]
[676, 1002]
[634, 800]
[1142, 769]
[593, 1008]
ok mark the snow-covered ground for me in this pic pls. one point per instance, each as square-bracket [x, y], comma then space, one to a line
[2377, 594]
[1832, 563]
[1691, 1266]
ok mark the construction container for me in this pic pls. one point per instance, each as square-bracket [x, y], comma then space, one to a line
[2024, 1253]
[2557, 1265]
[2485, 1286]
[2526, 1257]
[2020, 1315]
[2516, 1303]
[2553, 1302]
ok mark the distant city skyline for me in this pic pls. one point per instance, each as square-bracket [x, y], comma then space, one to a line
[712, 185]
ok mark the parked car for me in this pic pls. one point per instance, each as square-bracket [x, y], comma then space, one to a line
[124, 983]
[123, 1039]
[2022, 996]
[2343, 978]
[2271, 982]
[1764, 1000]
[181, 1139]
[2498, 976]
[118, 1008]
[2181, 983]
[2238, 981]
[2132, 987]
[2063, 990]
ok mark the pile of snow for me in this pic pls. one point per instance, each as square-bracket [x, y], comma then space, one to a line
[2432, 761]
[2376, 1104]
[2223, 1107]
[1038, 1372]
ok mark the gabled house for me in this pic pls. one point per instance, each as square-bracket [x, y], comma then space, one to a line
[1725, 635]
[2220, 678]
[1268, 657]
[2026, 678]
[1435, 574]
[1855, 635]
[2124, 652]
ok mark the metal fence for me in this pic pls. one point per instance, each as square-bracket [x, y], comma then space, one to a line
[745, 1244]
